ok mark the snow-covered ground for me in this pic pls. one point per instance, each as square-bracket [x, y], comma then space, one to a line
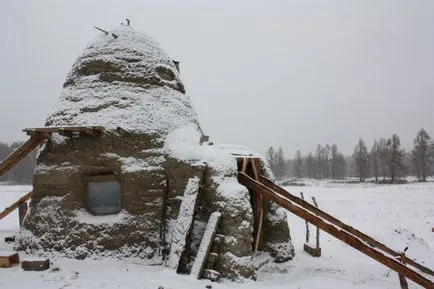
[397, 215]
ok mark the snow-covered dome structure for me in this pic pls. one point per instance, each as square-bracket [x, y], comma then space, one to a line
[124, 79]
[145, 186]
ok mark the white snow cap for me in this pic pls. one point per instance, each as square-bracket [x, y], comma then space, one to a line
[124, 79]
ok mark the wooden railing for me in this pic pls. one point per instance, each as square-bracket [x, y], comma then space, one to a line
[336, 228]
[18, 204]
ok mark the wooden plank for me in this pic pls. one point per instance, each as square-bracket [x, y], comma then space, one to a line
[205, 244]
[52, 129]
[15, 205]
[344, 236]
[372, 242]
[184, 223]
[21, 152]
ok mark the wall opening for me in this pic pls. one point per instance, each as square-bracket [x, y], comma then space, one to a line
[103, 195]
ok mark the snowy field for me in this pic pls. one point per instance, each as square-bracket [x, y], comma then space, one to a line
[397, 215]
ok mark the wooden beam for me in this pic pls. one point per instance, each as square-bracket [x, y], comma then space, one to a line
[15, 205]
[21, 152]
[342, 235]
[372, 242]
[244, 168]
[259, 207]
[67, 130]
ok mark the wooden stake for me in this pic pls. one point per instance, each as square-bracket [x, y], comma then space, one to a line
[317, 229]
[402, 280]
[307, 224]
[22, 211]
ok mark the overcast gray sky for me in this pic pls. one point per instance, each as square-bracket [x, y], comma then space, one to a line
[260, 73]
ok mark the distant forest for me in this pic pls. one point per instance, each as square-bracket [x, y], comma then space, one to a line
[384, 162]
[22, 173]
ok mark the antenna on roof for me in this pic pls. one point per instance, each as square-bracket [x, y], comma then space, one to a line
[128, 22]
[102, 30]
[106, 32]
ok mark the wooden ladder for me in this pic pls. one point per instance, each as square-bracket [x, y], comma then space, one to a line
[207, 255]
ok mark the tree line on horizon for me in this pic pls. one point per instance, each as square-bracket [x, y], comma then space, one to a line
[385, 162]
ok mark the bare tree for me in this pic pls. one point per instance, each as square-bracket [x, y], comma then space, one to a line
[277, 162]
[334, 161]
[341, 166]
[375, 160]
[360, 157]
[298, 165]
[326, 161]
[309, 166]
[396, 158]
[421, 155]
[318, 162]
[383, 157]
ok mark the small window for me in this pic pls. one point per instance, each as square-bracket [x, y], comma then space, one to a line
[103, 197]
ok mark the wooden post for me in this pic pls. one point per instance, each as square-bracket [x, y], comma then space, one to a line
[402, 280]
[244, 168]
[22, 211]
[307, 224]
[259, 209]
[317, 229]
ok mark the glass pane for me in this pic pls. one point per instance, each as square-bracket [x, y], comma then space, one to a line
[104, 197]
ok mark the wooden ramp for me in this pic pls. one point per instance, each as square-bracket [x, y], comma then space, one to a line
[21, 152]
[347, 234]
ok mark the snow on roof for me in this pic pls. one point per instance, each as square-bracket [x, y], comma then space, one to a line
[238, 150]
[126, 81]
